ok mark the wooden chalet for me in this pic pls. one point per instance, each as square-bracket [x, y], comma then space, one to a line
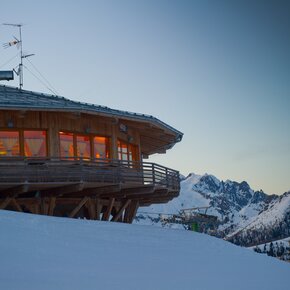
[64, 158]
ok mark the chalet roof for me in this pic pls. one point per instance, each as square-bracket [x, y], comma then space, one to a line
[14, 98]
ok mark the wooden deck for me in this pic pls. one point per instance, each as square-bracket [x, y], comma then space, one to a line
[94, 189]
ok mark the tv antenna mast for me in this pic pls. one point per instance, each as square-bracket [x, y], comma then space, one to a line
[18, 43]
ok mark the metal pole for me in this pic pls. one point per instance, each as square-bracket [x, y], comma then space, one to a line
[21, 62]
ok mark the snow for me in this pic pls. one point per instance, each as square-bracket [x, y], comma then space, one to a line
[284, 242]
[40, 252]
[269, 217]
[276, 209]
[188, 198]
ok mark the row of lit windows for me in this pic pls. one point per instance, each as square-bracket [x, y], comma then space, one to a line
[72, 145]
[84, 146]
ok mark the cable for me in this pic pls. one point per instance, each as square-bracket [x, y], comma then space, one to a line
[9, 60]
[40, 80]
[43, 76]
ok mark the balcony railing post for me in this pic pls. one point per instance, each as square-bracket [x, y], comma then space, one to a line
[166, 176]
[153, 173]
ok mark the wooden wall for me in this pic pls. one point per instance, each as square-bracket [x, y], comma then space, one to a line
[80, 123]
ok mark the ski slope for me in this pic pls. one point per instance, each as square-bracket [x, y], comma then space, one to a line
[40, 252]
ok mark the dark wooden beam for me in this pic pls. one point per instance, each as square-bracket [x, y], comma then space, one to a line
[139, 190]
[97, 191]
[37, 208]
[91, 206]
[62, 190]
[16, 205]
[98, 208]
[5, 203]
[44, 206]
[14, 191]
[108, 211]
[156, 201]
[52, 202]
[130, 191]
[131, 211]
[157, 193]
[78, 207]
[120, 212]
[76, 200]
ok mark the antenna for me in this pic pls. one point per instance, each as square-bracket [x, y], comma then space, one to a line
[18, 43]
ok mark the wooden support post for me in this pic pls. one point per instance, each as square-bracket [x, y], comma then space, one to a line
[5, 203]
[44, 206]
[11, 194]
[37, 208]
[107, 214]
[78, 207]
[91, 205]
[131, 212]
[51, 205]
[120, 212]
[16, 205]
[99, 209]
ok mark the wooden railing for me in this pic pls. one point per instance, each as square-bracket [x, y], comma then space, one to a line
[41, 170]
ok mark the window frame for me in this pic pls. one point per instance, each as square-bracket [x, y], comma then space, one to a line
[21, 141]
[91, 141]
[134, 148]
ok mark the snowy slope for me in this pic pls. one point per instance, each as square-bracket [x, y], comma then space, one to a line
[40, 252]
[271, 224]
[274, 213]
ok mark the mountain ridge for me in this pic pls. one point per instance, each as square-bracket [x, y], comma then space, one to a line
[241, 211]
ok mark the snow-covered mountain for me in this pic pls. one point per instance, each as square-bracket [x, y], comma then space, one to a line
[239, 208]
[272, 223]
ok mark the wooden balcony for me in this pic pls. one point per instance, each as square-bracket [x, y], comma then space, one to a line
[38, 185]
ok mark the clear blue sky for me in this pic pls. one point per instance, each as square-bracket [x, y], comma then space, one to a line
[219, 71]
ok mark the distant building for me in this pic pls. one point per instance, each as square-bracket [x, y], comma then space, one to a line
[65, 158]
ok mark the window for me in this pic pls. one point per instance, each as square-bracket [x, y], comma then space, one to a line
[35, 143]
[66, 144]
[9, 143]
[83, 147]
[101, 147]
[127, 151]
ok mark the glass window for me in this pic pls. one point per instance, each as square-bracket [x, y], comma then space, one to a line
[101, 147]
[127, 152]
[9, 143]
[83, 147]
[35, 144]
[66, 144]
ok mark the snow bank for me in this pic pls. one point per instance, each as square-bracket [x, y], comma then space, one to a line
[39, 252]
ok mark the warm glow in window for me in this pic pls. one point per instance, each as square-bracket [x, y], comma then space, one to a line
[101, 147]
[127, 152]
[66, 144]
[35, 144]
[9, 143]
[83, 147]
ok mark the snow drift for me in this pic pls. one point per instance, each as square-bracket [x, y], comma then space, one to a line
[40, 252]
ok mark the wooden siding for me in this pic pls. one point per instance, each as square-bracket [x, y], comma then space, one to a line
[150, 139]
